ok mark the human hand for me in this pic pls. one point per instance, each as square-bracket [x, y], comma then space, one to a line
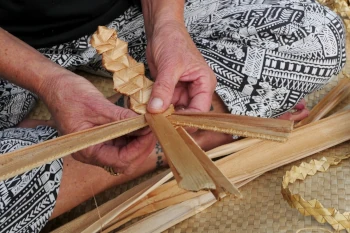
[182, 76]
[298, 113]
[76, 104]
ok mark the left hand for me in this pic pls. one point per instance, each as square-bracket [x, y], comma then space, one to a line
[182, 76]
[77, 105]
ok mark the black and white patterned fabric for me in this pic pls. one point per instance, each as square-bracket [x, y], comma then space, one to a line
[27, 200]
[267, 55]
[15, 103]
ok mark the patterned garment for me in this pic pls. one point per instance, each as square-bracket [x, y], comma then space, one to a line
[15, 103]
[27, 200]
[267, 55]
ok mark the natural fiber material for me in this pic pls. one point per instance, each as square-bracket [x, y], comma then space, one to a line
[245, 126]
[332, 99]
[242, 166]
[263, 210]
[129, 79]
[339, 221]
[257, 209]
[24, 159]
[128, 75]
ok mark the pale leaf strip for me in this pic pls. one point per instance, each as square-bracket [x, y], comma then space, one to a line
[115, 205]
[260, 128]
[232, 147]
[172, 215]
[216, 175]
[188, 208]
[151, 184]
[332, 99]
[255, 160]
[329, 131]
[276, 125]
[25, 159]
[166, 195]
[303, 141]
[191, 174]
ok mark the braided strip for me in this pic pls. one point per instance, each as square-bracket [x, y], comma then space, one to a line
[128, 75]
[339, 221]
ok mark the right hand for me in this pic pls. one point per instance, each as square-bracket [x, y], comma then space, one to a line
[182, 76]
[76, 105]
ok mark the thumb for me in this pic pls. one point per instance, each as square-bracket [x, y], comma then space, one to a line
[162, 93]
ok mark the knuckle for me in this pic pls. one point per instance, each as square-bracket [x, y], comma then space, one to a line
[123, 113]
[125, 157]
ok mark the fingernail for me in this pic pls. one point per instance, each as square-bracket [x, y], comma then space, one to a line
[156, 103]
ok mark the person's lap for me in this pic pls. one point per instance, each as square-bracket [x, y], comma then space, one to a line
[27, 200]
[260, 72]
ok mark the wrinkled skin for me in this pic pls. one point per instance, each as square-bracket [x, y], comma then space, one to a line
[124, 154]
[182, 77]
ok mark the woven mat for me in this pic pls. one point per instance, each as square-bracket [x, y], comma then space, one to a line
[262, 209]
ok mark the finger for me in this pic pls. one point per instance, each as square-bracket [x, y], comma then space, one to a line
[162, 92]
[296, 116]
[118, 142]
[200, 103]
[137, 152]
[106, 112]
[137, 147]
[201, 90]
[119, 158]
[301, 105]
[118, 113]
[113, 154]
[181, 98]
[181, 101]
[181, 106]
[200, 94]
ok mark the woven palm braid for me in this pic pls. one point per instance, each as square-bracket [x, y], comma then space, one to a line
[339, 221]
[128, 75]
